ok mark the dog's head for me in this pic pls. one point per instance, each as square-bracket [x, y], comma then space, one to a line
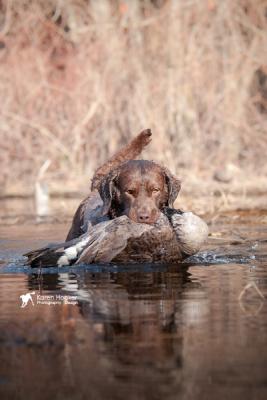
[138, 189]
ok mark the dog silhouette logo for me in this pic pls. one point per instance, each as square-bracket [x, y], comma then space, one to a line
[25, 298]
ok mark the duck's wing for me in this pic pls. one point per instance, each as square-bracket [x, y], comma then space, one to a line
[110, 239]
[48, 255]
[101, 243]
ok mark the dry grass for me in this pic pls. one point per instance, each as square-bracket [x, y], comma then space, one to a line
[77, 78]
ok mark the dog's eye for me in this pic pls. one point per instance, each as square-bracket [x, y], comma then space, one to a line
[155, 190]
[130, 191]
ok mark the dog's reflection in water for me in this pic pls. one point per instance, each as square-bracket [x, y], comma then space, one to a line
[137, 317]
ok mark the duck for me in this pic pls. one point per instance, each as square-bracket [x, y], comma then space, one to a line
[175, 236]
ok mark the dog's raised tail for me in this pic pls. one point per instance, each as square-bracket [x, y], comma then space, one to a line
[128, 152]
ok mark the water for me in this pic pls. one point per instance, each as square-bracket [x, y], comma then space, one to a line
[191, 331]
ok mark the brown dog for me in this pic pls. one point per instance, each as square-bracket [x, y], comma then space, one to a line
[139, 189]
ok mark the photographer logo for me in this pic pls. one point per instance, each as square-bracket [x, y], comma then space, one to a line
[25, 298]
[50, 300]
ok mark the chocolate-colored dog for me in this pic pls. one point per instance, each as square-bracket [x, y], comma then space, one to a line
[139, 189]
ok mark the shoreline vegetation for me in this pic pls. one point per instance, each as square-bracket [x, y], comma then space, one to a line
[207, 199]
[78, 80]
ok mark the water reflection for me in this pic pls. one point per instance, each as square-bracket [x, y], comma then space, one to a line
[137, 319]
[147, 332]
[173, 333]
[137, 316]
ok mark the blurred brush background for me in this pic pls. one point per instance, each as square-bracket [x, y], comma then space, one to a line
[79, 78]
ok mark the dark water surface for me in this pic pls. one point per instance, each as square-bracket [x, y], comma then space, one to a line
[192, 331]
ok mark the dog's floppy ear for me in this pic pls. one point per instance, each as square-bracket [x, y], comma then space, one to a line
[106, 190]
[173, 185]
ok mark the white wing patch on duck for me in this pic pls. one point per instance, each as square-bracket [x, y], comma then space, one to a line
[72, 253]
[63, 261]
